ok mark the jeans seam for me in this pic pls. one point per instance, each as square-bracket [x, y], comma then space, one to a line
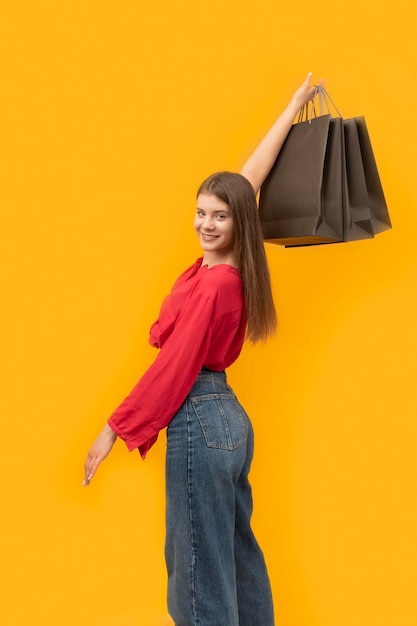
[190, 509]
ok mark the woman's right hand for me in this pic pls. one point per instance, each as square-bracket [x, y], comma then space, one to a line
[98, 452]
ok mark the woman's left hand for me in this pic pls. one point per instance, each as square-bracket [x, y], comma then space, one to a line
[305, 92]
[98, 452]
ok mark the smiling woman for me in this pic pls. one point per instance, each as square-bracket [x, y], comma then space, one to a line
[214, 226]
[246, 250]
[216, 570]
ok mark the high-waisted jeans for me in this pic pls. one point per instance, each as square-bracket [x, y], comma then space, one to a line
[216, 570]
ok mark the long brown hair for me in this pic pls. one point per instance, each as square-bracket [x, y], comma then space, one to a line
[249, 251]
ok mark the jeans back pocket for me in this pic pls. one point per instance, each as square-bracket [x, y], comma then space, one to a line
[222, 420]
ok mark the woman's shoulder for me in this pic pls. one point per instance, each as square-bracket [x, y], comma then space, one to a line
[190, 272]
[221, 279]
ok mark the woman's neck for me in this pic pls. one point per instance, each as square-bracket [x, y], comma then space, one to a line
[211, 258]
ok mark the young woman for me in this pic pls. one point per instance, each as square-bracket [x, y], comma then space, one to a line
[216, 570]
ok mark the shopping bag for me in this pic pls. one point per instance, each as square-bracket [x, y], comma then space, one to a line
[380, 218]
[365, 209]
[300, 202]
[331, 198]
[357, 212]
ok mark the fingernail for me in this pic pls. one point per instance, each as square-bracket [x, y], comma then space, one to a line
[84, 484]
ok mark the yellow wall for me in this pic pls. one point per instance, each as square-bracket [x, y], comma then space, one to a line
[113, 112]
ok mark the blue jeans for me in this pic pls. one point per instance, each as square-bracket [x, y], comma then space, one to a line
[216, 570]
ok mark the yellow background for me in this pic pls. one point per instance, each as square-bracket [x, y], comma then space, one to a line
[112, 114]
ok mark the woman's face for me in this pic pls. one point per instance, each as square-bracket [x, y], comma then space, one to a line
[214, 225]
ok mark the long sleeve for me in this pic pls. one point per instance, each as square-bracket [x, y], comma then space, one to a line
[163, 388]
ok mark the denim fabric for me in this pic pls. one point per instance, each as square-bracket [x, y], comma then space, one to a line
[216, 570]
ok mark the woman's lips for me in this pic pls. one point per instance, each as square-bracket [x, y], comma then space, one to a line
[208, 237]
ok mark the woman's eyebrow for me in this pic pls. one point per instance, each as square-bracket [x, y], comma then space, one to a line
[226, 211]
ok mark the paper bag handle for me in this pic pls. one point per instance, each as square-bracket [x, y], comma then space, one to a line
[307, 112]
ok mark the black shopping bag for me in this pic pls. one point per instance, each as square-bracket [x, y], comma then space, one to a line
[301, 200]
[324, 186]
[357, 212]
[380, 218]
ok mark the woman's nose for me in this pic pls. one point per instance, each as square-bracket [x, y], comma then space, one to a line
[208, 223]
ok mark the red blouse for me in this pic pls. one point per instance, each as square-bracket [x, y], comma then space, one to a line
[202, 322]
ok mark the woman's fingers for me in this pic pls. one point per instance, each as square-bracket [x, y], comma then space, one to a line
[306, 92]
[89, 470]
[91, 466]
[97, 453]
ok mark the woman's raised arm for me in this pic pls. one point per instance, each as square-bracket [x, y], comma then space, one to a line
[259, 164]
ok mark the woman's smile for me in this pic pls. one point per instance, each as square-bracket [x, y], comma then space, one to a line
[214, 226]
[209, 237]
